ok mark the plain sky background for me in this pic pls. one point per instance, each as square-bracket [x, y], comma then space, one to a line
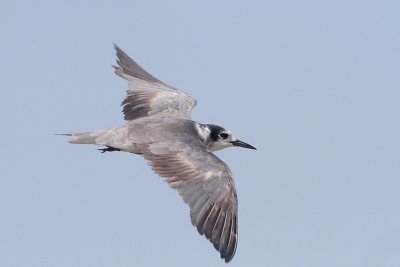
[314, 85]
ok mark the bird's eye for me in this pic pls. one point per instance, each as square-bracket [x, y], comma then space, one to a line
[224, 135]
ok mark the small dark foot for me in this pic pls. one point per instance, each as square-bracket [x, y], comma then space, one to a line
[108, 149]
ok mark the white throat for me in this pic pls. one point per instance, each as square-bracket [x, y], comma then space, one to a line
[215, 146]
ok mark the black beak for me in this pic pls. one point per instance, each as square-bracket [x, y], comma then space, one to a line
[242, 144]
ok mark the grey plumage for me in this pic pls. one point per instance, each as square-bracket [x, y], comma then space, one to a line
[159, 128]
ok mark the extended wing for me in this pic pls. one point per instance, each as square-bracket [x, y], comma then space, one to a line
[206, 184]
[147, 96]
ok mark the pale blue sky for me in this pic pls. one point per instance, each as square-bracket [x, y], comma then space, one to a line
[314, 85]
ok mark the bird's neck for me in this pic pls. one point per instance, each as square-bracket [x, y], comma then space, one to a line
[204, 132]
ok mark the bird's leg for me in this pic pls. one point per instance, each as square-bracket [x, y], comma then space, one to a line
[108, 149]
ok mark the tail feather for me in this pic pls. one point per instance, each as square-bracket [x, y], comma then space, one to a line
[82, 138]
[117, 138]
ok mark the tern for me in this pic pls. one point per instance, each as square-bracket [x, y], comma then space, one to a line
[159, 129]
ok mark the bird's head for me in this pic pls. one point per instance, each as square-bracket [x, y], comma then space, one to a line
[217, 138]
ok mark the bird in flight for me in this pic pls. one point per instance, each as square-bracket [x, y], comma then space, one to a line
[159, 128]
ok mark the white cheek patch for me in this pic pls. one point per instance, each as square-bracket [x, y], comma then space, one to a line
[220, 144]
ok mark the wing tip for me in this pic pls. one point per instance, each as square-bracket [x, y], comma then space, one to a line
[210, 226]
[230, 251]
[128, 67]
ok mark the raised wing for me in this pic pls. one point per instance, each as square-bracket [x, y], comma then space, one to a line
[205, 183]
[148, 96]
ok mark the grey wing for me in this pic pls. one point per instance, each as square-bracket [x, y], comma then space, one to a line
[205, 183]
[148, 96]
